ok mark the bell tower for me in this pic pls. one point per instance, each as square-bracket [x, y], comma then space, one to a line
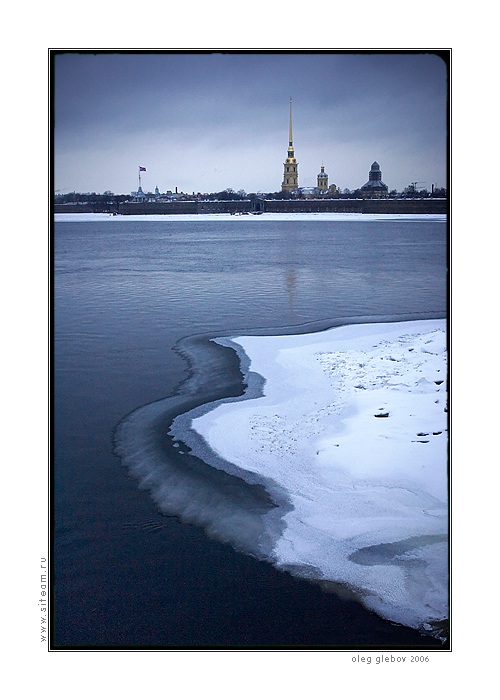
[290, 166]
[322, 180]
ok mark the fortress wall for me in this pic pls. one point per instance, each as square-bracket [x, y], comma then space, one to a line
[362, 206]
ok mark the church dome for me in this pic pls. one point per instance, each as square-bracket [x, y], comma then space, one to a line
[375, 184]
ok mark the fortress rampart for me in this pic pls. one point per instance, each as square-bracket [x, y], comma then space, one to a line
[258, 205]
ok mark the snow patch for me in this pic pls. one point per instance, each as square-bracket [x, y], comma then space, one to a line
[320, 216]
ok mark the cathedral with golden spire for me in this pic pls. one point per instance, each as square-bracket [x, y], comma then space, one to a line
[290, 166]
[291, 174]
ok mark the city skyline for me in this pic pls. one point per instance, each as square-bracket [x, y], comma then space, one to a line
[204, 122]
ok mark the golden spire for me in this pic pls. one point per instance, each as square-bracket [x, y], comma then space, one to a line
[291, 154]
[290, 173]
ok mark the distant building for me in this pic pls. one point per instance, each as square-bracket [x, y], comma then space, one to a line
[374, 187]
[322, 190]
[291, 175]
[290, 166]
[308, 191]
[322, 180]
[139, 195]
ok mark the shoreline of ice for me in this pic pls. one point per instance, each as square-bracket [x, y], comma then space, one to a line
[295, 216]
[352, 424]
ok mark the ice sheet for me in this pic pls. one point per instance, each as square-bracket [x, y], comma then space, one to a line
[320, 216]
[353, 425]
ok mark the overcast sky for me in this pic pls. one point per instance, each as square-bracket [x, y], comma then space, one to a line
[203, 122]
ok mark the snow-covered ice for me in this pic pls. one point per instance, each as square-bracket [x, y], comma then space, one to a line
[267, 216]
[353, 426]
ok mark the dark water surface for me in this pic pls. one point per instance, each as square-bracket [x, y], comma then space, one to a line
[125, 294]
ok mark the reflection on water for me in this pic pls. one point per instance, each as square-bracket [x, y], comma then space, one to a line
[291, 284]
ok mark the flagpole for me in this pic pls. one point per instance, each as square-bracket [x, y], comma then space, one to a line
[139, 177]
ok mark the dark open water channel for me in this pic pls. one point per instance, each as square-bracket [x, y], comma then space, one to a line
[125, 293]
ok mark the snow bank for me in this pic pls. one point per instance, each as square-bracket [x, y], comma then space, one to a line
[321, 216]
[353, 425]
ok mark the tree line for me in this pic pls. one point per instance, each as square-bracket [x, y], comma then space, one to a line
[109, 198]
[91, 198]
